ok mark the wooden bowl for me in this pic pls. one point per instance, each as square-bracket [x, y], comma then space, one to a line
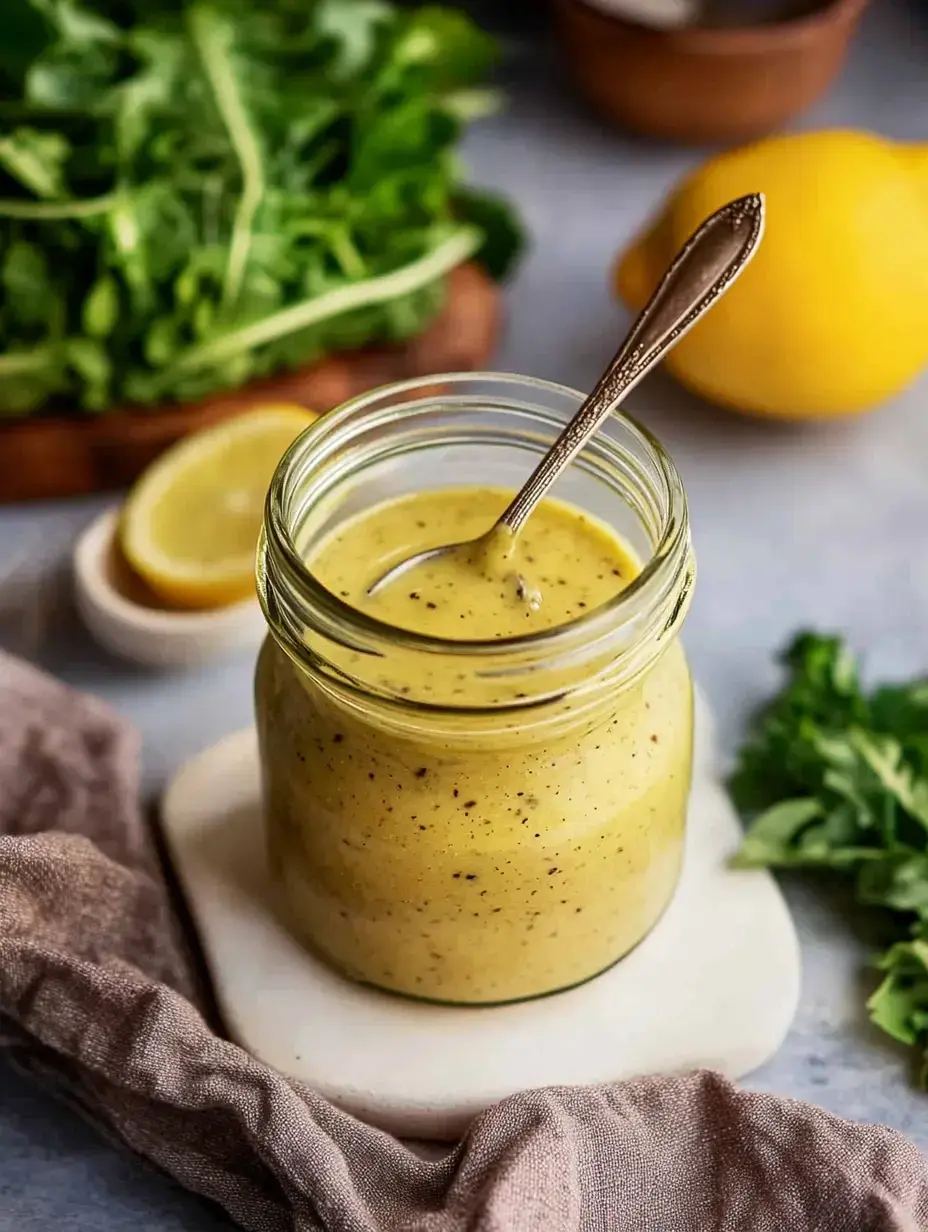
[45, 457]
[703, 85]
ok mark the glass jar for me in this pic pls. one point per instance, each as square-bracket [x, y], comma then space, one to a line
[522, 843]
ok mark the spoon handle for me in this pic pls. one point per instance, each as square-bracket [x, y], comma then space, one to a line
[700, 274]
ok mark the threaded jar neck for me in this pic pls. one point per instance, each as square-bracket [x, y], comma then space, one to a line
[487, 429]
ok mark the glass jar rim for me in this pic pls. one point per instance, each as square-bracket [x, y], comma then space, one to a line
[279, 554]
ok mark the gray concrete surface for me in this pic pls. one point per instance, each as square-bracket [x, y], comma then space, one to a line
[820, 526]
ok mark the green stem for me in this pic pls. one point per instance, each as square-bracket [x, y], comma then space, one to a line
[15, 363]
[346, 254]
[212, 38]
[476, 104]
[460, 245]
[48, 211]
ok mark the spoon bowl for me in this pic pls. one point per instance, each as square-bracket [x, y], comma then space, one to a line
[491, 551]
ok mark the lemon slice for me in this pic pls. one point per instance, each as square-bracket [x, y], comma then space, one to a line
[190, 524]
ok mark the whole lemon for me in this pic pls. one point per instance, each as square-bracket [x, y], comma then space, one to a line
[831, 316]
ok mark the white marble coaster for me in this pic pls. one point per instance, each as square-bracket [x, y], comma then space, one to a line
[715, 984]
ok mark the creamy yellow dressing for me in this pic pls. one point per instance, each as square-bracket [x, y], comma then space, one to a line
[570, 558]
[465, 861]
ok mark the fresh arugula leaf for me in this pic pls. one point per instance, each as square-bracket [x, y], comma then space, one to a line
[833, 778]
[440, 49]
[354, 30]
[197, 193]
[503, 237]
[35, 161]
[26, 281]
[81, 60]
[101, 308]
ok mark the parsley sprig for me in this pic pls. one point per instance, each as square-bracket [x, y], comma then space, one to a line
[834, 778]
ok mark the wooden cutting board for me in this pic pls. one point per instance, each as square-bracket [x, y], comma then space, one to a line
[45, 457]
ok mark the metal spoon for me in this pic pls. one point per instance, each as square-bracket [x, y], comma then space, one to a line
[699, 275]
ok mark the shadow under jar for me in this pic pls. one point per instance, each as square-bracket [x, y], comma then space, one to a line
[473, 822]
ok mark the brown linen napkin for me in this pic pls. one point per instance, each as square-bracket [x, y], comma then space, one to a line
[99, 998]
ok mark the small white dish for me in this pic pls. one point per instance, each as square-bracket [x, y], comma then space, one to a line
[125, 619]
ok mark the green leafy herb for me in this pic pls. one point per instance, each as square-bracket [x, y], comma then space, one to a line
[834, 777]
[196, 193]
